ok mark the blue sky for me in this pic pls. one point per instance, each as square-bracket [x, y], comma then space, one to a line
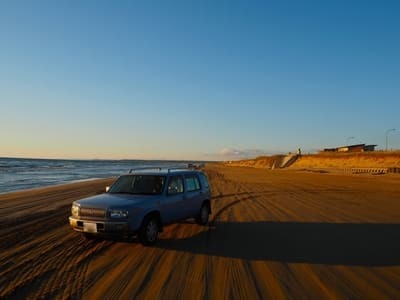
[196, 79]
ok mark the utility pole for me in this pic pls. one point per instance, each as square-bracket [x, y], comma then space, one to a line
[387, 134]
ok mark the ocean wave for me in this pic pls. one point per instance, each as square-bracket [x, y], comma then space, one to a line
[19, 174]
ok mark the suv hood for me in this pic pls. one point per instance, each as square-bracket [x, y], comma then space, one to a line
[107, 200]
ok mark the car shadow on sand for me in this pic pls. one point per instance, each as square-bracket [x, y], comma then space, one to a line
[363, 244]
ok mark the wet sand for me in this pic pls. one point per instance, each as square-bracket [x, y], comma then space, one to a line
[273, 234]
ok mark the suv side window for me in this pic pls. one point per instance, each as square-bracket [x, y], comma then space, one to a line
[204, 181]
[175, 185]
[192, 183]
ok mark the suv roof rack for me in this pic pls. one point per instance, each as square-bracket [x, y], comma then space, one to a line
[178, 168]
[145, 168]
[169, 169]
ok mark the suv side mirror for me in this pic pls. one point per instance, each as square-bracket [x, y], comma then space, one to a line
[107, 189]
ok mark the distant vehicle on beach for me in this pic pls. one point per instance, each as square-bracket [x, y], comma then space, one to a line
[142, 202]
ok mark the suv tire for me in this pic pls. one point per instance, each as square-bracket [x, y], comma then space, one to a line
[202, 218]
[149, 231]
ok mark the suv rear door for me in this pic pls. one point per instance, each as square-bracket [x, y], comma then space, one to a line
[205, 187]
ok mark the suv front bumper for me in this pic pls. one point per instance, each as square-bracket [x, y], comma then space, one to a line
[99, 227]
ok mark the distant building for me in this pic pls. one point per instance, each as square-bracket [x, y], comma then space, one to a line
[352, 148]
[369, 147]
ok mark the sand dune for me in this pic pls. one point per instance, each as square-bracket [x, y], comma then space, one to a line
[350, 160]
[328, 161]
[279, 234]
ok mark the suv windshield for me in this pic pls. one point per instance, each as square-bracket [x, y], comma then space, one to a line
[138, 185]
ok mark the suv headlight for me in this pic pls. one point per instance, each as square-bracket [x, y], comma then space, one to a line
[75, 210]
[118, 213]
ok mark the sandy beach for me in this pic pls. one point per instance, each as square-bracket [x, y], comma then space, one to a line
[273, 234]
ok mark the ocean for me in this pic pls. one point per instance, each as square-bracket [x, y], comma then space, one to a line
[20, 173]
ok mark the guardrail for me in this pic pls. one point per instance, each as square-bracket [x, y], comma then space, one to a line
[393, 170]
[372, 171]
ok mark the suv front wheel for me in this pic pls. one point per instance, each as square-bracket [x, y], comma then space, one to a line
[148, 232]
[202, 218]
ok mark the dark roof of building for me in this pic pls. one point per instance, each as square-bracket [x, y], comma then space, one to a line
[350, 147]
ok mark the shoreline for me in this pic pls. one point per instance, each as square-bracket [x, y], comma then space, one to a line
[57, 185]
[23, 174]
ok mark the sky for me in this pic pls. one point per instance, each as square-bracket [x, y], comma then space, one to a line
[206, 80]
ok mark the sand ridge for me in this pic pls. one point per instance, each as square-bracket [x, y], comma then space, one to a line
[327, 161]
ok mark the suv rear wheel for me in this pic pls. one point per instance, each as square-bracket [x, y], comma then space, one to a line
[202, 218]
[148, 232]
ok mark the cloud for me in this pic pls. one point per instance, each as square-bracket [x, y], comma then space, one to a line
[231, 153]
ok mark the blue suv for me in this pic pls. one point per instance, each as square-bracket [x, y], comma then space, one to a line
[142, 202]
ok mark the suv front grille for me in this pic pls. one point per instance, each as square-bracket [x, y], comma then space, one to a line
[92, 212]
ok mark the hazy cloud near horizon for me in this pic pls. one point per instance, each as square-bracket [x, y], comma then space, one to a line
[236, 153]
[228, 153]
